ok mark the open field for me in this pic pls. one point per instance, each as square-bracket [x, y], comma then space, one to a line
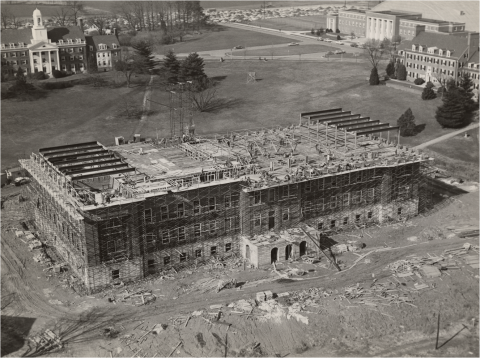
[293, 23]
[224, 38]
[78, 114]
[282, 91]
[285, 51]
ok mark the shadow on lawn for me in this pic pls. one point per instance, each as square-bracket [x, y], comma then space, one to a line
[219, 104]
[419, 128]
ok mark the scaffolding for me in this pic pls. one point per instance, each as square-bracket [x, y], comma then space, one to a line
[181, 110]
[116, 222]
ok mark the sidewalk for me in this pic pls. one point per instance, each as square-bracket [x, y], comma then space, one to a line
[446, 136]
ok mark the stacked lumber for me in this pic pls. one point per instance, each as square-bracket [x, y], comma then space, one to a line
[464, 231]
[46, 341]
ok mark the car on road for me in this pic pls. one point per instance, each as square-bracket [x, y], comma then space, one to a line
[354, 45]
[320, 39]
[238, 47]
[339, 42]
[328, 40]
[338, 52]
[293, 44]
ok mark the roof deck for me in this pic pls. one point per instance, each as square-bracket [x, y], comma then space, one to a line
[325, 142]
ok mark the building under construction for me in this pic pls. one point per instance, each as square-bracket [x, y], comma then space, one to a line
[131, 210]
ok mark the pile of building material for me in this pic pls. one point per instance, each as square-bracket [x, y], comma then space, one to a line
[137, 298]
[465, 231]
[46, 341]
[225, 284]
[386, 293]
[242, 305]
[42, 257]
[349, 246]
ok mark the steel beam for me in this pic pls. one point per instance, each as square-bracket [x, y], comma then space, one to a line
[332, 120]
[339, 114]
[72, 151]
[112, 172]
[91, 170]
[73, 156]
[378, 130]
[86, 160]
[322, 111]
[68, 146]
[352, 120]
[351, 126]
[79, 166]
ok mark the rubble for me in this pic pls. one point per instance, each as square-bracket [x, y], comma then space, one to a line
[225, 284]
[46, 341]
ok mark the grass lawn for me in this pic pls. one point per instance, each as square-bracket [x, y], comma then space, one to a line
[285, 51]
[284, 89]
[77, 114]
[225, 38]
[292, 23]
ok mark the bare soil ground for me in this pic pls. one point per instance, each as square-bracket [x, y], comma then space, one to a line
[34, 300]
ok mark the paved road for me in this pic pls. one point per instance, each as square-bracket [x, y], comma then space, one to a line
[295, 36]
[446, 136]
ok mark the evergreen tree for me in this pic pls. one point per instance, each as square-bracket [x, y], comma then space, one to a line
[406, 122]
[92, 65]
[171, 65]
[428, 92]
[467, 85]
[390, 69]
[451, 113]
[144, 50]
[401, 72]
[374, 80]
[192, 68]
[312, 31]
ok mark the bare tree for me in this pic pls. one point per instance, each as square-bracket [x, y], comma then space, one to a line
[100, 21]
[5, 14]
[374, 52]
[204, 100]
[76, 8]
[129, 64]
[62, 16]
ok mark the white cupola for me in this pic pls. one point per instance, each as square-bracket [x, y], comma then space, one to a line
[39, 32]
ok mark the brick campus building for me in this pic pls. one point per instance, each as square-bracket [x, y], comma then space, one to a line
[46, 49]
[127, 211]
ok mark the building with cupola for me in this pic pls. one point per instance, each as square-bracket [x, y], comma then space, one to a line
[44, 49]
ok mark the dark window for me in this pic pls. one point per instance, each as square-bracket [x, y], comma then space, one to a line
[228, 247]
[181, 234]
[332, 224]
[345, 220]
[213, 250]
[148, 217]
[183, 257]
[285, 215]
[211, 204]
[180, 210]
[358, 217]
[151, 263]
[166, 260]
[196, 230]
[115, 274]
[399, 211]
[319, 226]
[196, 207]
[369, 214]
[198, 253]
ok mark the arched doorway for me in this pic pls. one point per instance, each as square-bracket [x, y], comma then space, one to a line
[288, 251]
[303, 248]
[247, 253]
[274, 255]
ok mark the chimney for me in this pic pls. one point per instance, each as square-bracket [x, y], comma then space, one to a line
[80, 23]
[114, 31]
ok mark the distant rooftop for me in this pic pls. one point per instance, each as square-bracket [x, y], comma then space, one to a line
[395, 12]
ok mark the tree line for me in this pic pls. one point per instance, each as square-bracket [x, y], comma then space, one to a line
[160, 15]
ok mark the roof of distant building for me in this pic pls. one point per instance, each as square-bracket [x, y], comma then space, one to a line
[65, 33]
[474, 58]
[16, 36]
[433, 21]
[458, 11]
[457, 44]
[102, 39]
[395, 12]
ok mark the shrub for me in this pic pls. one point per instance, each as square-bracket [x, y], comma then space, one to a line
[390, 69]
[125, 39]
[37, 75]
[441, 90]
[419, 81]
[428, 92]
[337, 31]
[57, 74]
[338, 37]
[374, 80]
[401, 72]
[406, 122]
[167, 40]
[451, 113]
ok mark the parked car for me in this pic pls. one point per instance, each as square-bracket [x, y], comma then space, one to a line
[238, 47]
[20, 181]
[328, 40]
[338, 52]
[354, 45]
[293, 44]
[320, 39]
[339, 42]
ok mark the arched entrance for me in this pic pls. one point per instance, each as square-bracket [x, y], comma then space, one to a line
[247, 253]
[274, 255]
[303, 248]
[288, 251]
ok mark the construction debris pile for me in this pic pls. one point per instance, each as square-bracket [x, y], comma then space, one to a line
[46, 341]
